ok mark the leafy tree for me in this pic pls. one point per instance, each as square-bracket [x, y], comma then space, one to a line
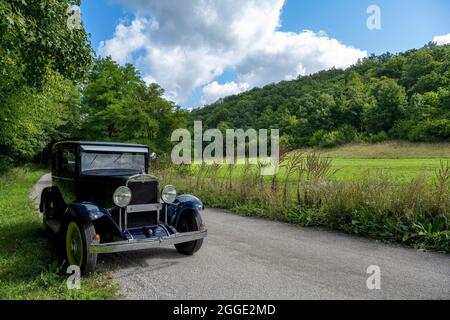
[105, 95]
[42, 58]
[36, 35]
[390, 107]
[118, 105]
[33, 119]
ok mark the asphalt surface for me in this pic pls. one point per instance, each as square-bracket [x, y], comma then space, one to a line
[252, 258]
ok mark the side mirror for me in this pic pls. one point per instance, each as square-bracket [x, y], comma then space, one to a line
[153, 156]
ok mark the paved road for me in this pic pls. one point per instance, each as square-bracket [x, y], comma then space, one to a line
[251, 258]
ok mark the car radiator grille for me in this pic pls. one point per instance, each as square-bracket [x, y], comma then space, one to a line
[144, 192]
[141, 219]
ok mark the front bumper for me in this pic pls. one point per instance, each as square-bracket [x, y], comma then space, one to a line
[135, 245]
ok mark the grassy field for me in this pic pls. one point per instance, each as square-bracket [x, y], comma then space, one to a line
[388, 150]
[28, 268]
[403, 169]
[400, 160]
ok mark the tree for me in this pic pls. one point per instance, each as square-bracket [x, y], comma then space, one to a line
[33, 119]
[36, 36]
[418, 64]
[118, 105]
[389, 108]
[42, 59]
[105, 95]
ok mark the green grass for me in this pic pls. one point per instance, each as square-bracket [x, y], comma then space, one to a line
[403, 169]
[401, 160]
[388, 150]
[28, 268]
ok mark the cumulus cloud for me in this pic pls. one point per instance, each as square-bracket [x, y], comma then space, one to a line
[187, 45]
[214, 91]
[441, 40]
[285, 56]
[126, 40]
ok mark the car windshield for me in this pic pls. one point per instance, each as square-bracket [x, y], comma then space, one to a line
[112, 161]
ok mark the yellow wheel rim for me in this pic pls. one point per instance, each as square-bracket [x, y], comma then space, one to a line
[74, 245]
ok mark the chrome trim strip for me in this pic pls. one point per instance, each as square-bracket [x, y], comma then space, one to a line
[125, 220]
[120, 219]
[142, 178]
[165, 215]
[124, 149]
[144, 207]
[135, 245]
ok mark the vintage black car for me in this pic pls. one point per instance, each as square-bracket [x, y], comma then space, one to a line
[103, 200]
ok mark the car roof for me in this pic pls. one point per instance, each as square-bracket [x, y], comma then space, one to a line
[94, 144]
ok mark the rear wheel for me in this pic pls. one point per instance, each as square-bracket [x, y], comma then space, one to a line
[77, 240]
[188, 223]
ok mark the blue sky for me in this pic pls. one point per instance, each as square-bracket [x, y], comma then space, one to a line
[405, 24]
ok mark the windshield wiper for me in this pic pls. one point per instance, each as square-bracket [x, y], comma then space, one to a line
[118, 158]
[95, 158]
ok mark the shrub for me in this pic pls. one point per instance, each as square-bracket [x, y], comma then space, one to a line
[431, 131]
[343, 135]
[379, 137]
[5, 163]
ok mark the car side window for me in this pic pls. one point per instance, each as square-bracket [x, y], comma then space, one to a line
[67, 164]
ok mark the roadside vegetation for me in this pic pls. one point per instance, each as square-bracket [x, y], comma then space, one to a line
[414, 211]
[28, 266]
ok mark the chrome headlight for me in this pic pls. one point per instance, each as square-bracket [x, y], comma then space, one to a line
[169, 194]
[122, 197]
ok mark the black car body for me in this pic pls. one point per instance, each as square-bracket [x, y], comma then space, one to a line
[102, 200]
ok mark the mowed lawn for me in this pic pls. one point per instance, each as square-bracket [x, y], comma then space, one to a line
[396, 159]
[403, 169]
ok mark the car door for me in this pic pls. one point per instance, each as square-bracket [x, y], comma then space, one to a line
[64, 174]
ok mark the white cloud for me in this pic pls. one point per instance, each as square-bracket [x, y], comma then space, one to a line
[285, 56]
[441, 40]
[186, 45]
[214, 91]
[126, 40]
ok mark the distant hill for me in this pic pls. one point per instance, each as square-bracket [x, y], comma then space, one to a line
[403, 96]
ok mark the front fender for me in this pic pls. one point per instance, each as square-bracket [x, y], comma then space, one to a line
[99, 216]
[87, 211]
[183, 204]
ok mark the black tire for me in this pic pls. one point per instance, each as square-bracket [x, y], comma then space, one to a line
[188, 223]
[76, 234]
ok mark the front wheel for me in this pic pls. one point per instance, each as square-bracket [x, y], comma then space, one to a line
[78, 238]
[188, 223]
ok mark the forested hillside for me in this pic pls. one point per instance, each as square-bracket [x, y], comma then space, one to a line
[404, 96]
